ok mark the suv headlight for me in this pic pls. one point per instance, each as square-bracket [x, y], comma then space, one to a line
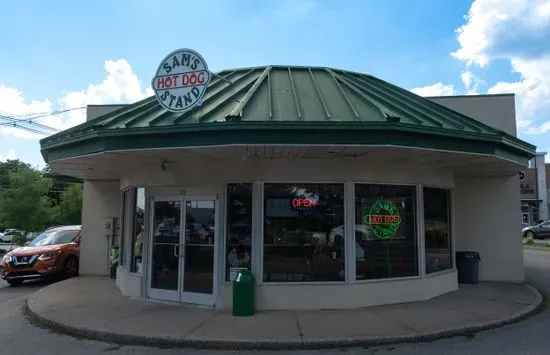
[51, 255]
[6, 259]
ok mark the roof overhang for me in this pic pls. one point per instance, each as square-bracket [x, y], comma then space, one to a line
[288, 133]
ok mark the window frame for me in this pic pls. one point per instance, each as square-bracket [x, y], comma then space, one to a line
[124, 252]
[121, 244]
[451, 212]
[131, 236]
[261, 207]
[257, 258]
[224, 213]
[417, 213]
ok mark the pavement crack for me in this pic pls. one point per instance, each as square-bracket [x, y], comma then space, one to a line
[299, 327]
[392, 319]
[198, 326]
[113, 348]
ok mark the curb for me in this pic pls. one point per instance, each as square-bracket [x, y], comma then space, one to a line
[167, 342]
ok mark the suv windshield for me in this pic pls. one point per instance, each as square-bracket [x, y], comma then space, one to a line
[55, 237]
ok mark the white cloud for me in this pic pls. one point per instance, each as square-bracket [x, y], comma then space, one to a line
[516, 31]
[471, 82]
[543, 128]
[121, 85]
[504, 28]
[10, 155]
[12, 102]
[467, 78]
[437, 89]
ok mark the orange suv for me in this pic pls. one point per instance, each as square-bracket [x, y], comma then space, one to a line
[53, 253]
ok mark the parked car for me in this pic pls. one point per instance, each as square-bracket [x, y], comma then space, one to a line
[8, 235]
[31, 235]
[538, 231]
[54, 253]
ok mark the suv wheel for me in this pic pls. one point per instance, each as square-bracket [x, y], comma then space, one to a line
[71, 267]
[15, 282]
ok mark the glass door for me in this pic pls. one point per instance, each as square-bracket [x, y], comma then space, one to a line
[164, 280]
[198, 274]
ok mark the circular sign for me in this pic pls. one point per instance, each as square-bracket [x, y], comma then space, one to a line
[384, 219]
[181, 80]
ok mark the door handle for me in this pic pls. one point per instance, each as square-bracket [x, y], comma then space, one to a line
[176, 251]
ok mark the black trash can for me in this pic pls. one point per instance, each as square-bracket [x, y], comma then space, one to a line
[467, 265]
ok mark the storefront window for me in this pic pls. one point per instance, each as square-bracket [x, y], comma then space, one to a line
[385, 232]
[136, 244]
[124, 227]
[437, 226]
[239, 228]
[127, 228]
[304, 232]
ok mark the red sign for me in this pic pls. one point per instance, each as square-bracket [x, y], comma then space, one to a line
[383, 219]
[304, 202]
[180, 80]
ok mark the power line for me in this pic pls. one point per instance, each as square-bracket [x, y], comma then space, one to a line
[42, 114]
[15, 122]
[17, 125]
[29, 121]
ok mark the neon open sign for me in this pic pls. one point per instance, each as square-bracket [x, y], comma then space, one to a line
[304, 203]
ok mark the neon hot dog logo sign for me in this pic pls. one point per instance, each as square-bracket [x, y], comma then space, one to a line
[384, 219]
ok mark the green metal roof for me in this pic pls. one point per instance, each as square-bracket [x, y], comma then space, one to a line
[284, 97]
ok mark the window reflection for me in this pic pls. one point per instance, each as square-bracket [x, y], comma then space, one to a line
[437, 229]
[166, 237]
[137, 234]
[239, 228]
[385, 231]
[304, 232]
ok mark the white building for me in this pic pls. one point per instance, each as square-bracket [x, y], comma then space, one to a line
[337, 190]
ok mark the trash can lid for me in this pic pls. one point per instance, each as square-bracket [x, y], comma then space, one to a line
[470, 255]
[244, 276]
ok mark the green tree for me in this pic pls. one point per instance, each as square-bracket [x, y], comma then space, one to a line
[24, 203]
[10, 166]
[69, 210]
[60, 184]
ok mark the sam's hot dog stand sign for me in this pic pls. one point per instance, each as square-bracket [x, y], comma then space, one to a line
[383, 219]
[181, 79]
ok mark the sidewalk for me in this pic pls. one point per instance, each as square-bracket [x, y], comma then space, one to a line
[92, 307]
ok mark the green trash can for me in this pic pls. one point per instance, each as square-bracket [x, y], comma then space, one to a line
[467, 264]
[243, 294]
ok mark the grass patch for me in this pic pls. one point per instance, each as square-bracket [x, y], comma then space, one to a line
[528, 241]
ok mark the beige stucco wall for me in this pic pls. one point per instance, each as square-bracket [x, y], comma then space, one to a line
[487, 220]
[209, 178]
[340, 296]
[129, 284]
[101, 200]
[498, 111]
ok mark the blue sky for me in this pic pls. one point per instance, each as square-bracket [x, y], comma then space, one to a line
[66, 54]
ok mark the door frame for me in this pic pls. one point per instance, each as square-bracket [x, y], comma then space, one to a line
[192, 297]
[178, 295]
[156, 293]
